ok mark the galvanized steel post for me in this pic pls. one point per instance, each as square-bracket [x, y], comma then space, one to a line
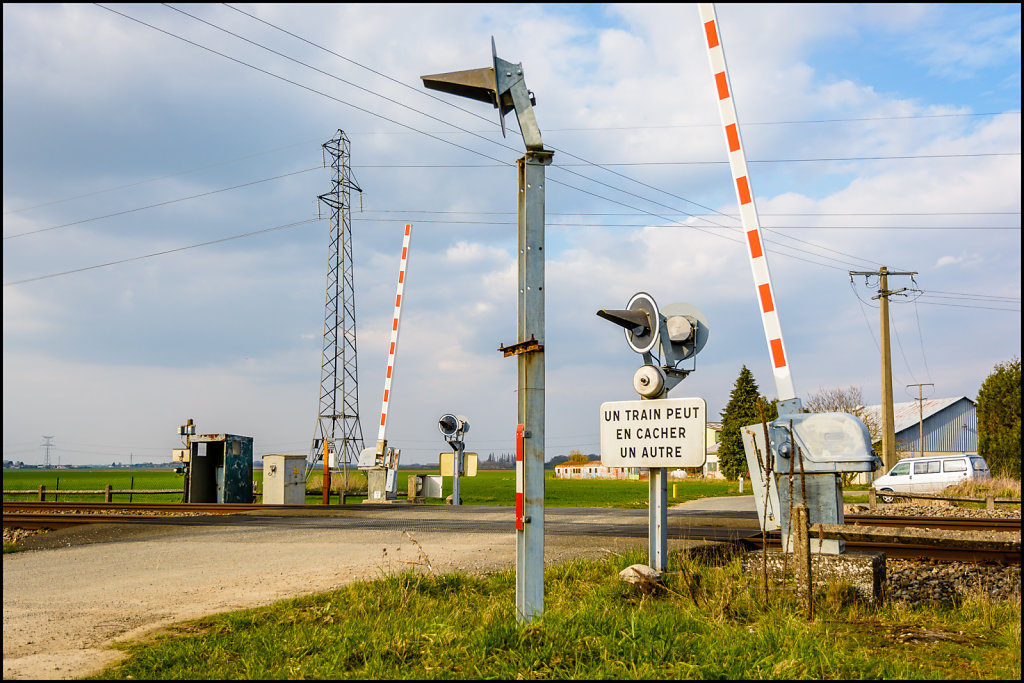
[657, 512]
[504, 86]
[530, 384]
[457, 470]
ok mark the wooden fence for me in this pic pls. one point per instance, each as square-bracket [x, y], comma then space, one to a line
[107, 492]
[989, 501]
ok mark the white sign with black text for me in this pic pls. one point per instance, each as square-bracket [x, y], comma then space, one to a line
[667, 432]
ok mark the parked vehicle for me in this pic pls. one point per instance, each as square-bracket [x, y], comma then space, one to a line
[930, 474]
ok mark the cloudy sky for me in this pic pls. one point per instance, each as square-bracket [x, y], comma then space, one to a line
[877, 135]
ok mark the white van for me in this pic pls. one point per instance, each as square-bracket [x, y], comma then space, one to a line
[930, 474]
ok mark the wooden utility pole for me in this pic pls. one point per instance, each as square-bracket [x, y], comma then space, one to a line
[920, 413]
[888, 419]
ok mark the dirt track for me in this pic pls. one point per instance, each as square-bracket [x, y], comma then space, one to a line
[84, 588]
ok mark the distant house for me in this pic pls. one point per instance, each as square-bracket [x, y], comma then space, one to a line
[592, 469]
[595, 470]
[711, 468]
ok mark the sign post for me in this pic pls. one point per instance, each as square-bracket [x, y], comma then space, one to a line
[656, 432]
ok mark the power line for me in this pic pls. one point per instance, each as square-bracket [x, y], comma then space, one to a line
[562, 165]
[297, 84]
[796, 121]
[161, 253]
[413, 109]
[920, 336]
[704, 162]
[163, 177]
[554, 130]
[991, 296]
[453, 125]
[980, 297]
[475, 114]
[423, 93]
[432, 136]
[295, 224]
[406, 212]
[165, 203]
[677, 224]
[988, 298]
[790, 161]
[591, 213]
[990, 308]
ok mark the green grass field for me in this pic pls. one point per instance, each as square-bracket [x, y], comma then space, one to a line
[489, 487]
[55, 480]
[708, 622]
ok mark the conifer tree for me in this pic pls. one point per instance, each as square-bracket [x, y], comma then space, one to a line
[999, 419]
[739, 412]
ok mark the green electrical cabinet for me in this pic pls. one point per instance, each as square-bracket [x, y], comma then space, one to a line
[219, 469]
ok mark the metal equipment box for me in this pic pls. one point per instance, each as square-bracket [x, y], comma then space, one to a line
[284, 479]
[220, 469]
[432, 486]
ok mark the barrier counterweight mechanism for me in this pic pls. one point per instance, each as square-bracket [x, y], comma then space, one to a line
[503, 85]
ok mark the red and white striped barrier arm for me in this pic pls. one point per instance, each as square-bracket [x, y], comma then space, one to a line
[394, 333]
[748, 212]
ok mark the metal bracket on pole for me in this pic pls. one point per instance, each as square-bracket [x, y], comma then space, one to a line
[504, 86]
[527, 346]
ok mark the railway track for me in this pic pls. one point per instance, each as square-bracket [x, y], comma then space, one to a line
[53, 515]
[88, 512]
[909, 551]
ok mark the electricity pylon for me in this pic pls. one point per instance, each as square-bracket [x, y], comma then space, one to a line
[337, 425]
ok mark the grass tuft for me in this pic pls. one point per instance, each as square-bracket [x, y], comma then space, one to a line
[1000, 487]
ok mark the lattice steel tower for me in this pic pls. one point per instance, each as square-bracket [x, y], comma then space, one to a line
[338, 415]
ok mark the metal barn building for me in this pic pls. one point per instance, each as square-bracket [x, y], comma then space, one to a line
[950, 425]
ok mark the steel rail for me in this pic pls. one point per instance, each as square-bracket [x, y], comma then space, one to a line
[910, 551]
[925, 522]
[42, 515]
[143, 508]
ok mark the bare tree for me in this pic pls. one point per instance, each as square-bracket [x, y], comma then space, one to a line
[576, 455]
[848, 400]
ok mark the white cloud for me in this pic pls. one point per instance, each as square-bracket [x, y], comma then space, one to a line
[147, 343]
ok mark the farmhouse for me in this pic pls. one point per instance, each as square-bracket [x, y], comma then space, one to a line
[592, 469]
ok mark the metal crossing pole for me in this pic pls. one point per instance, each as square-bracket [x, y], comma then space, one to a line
[530, 384]
[504, 86]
